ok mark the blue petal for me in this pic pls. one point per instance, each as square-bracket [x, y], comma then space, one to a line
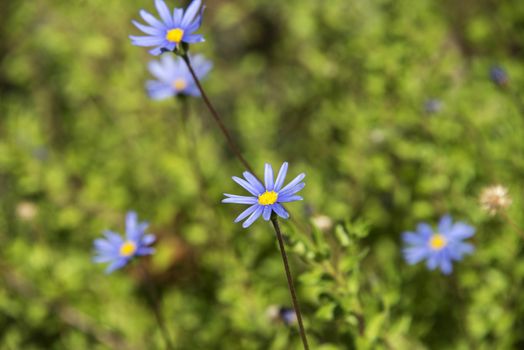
[295, 182]
[267, 212]
[446, 267]
[433, 260]
[458, 250]
[156, 51]
[281, 176]
[254, 182]
[118, 264]
[104, 246]
[291, 191]
[104, 258]
[255, 215]
[190, 13]
[268, 177]
[148, 239]
[246, 213]
[289, 198]
[414, 239]
[159, 91]
[248, 186]
[113, 238]
[131, 222]
[148, 30]
[414, 255]
[146, 40]
[425, 230]
[177, 17]
[279, 209]
[192, 90]
[445, 224]
[461, 231]
[239, 199]
[164, 12]
[193, 38]
[144, 251]
[149, 18]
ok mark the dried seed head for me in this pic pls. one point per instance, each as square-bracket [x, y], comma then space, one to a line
[494, 199]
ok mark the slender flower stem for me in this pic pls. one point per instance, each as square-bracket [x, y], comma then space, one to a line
[153, 300]
[512, 223]
[296, 306]
[232, 145]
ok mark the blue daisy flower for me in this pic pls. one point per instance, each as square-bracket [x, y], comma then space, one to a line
[167, 34]
[174, 78]
[266, 199]
[439, 248]
[119, 251]
[498, 75]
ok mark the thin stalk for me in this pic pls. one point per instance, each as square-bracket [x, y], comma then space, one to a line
[512, 223]
[153, 300]
[232, 145]
[296, 306]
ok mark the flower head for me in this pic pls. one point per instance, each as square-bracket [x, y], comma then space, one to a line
[171, 30]
[174, 78]
[499, 76]
[266, 199]
[120, 250]
[439, 248]
[494, 199]
[433, 106]
[282, 314]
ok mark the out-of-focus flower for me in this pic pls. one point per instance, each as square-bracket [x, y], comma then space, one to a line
[171, 30]
[282, 314]
[499, 76]
[118, 250]
[266, 199]
[322, 222]
[377, 136]
[173, 76]
[432, 106]
[26, 210]
[494, 199]
[439, 248]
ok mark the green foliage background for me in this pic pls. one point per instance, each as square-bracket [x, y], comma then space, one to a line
[336, 88]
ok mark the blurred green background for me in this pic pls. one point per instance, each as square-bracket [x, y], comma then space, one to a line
[339, 89]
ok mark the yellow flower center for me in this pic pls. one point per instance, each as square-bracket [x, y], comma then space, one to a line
[268, 198]
[128, 248]
[437, 241]
[179, 84]
[175, 35]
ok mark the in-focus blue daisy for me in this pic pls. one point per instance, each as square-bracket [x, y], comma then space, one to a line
[266, 199]
[174, 78]
[439, 248]
[118, 250]
[167, 33]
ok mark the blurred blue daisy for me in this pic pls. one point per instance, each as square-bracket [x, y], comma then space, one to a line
[118, 251]
[167, 34]
[174, 78]
[498, 75]
[439, 248]
[266, 199]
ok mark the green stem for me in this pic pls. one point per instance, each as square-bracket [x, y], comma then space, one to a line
[232, 145]
[153, 300]
[296, 306]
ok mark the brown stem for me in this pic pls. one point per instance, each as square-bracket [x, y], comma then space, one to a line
[232, 145]
[153, 300]
[296, 306]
